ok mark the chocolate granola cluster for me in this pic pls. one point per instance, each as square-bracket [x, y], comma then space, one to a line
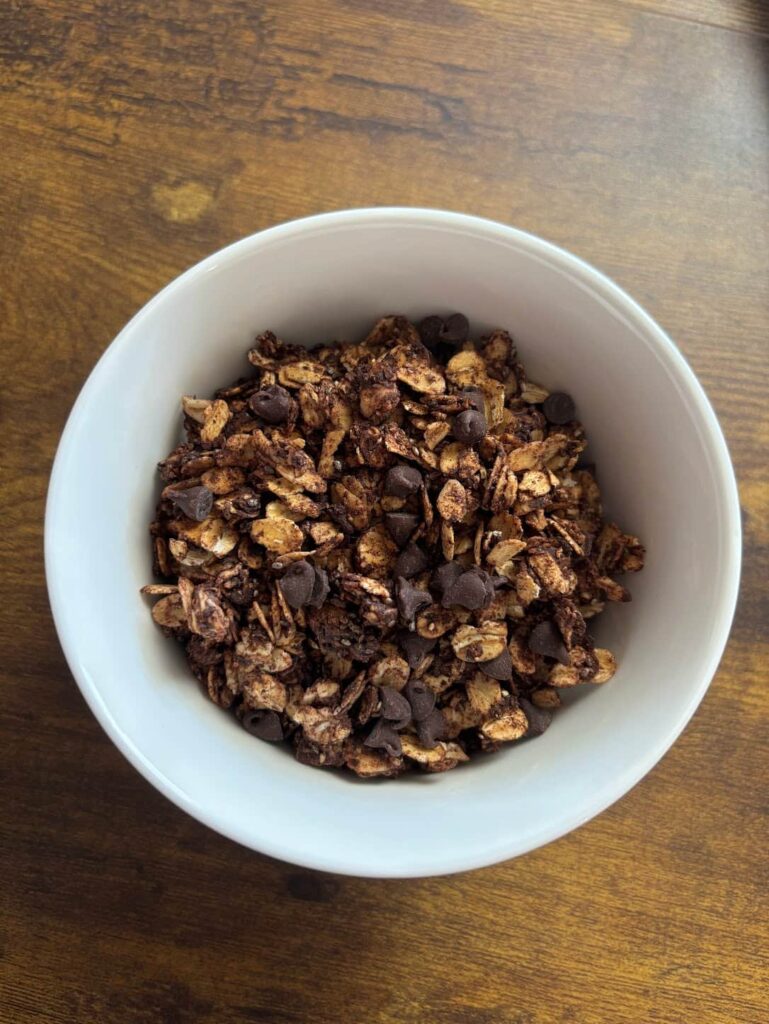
[386, 553]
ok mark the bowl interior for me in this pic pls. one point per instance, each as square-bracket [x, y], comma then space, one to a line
[661, 463]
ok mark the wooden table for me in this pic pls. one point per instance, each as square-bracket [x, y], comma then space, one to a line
[136, 137]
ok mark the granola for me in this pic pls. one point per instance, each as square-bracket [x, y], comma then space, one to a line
[386, 554]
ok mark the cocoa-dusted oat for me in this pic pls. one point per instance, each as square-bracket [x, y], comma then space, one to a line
[387, 554]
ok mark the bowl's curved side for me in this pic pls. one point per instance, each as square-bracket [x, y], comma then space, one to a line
[477, 817]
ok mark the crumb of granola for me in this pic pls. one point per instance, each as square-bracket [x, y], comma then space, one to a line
[386, 554]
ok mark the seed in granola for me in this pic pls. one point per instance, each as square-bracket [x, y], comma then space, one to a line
[395, 707]
[410, 599]
[402, 481]
[500, 668]
[415, 647]
[400, 526]
[421, 698]
[193, 502]
[559, 408]
[469, 427]
[263, 724]
[431, 729]
[298, 583]
[271, 404]
[546, 639]
[384, 737]
[411, 561]
[539, 718]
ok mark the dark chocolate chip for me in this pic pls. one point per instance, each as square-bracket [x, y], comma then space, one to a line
[395, 707]
[444, 351]
[444, 576]
[421, 698]
[298, 584]
[488, 584]
[430, 331]
[539, 718]
[475, 397]
[320, 589]
[271, 404]
[411, 561]
[264, 724]
[402, 481]
[500, 668]
[546, 639]
[469, 591]
[431, 729]
[469, 426]
[400, 526]
[384, 737]
[559, 408]
[415, 647]
[337, 513]
[194, 502]
[410, 599]
[455, 329]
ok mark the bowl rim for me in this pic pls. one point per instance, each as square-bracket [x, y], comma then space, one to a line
[445, 862]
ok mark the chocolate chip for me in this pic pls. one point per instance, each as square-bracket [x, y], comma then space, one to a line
[395, 707]
[402, 481]
[337, 513]
[400, 526]
[431, 729]
[469, 426]
[546, 639]
[271, 404]
[500, 668]
[444, 576]
[475, 397]
[455, 329]
[264, 724]
[444, 351]
[410, 599]
[488, 583]
[414, 647]
[469, 591]
[411, 561]
[421, 698]
[559, 408]
[430, 331]
[384, 737]
[320, 589]
[297, 584]
[194, 502]
[539, 718]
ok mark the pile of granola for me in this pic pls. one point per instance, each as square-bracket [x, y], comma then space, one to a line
[385, 554]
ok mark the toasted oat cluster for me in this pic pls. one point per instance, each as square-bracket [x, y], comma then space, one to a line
[386, 553]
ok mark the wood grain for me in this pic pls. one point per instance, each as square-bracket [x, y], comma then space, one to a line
[136, 138]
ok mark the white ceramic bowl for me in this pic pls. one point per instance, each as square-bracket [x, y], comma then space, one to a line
[663, 466]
